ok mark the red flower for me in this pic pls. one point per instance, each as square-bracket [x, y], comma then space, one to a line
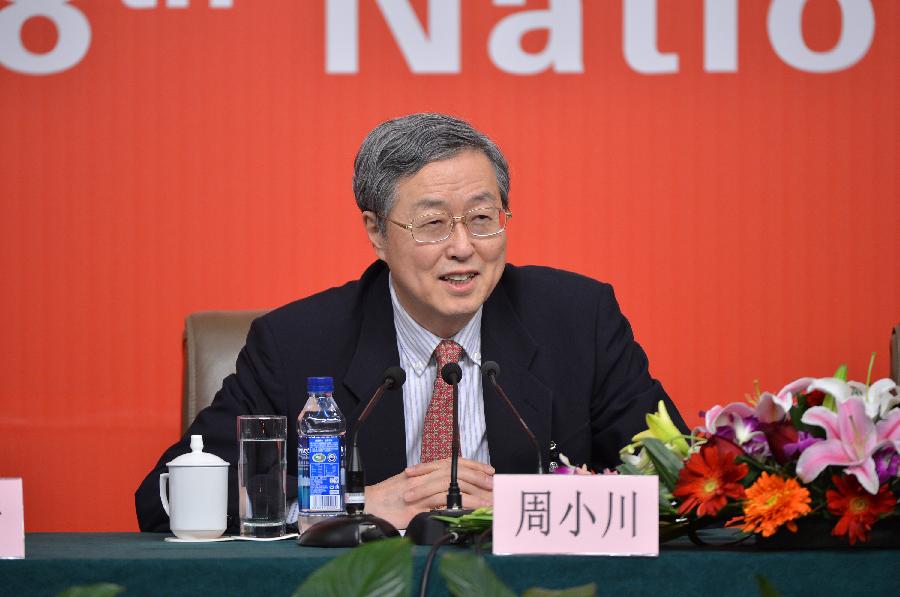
[780, 435]
[814, 398]
[725, 447]
[708, 478]
[857, 508]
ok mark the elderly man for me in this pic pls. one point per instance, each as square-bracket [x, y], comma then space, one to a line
[434, 196]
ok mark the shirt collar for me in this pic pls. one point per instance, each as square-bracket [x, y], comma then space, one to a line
[418, 344]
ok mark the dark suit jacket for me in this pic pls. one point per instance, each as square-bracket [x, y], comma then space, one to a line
[568, 357]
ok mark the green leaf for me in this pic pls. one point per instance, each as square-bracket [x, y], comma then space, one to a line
[829, 402]
[628, 469]
[467, 574]
[841, 373]
[667, 463]
[474, 523]
[796, 413]
[103, 589]
[380, 568]
[665, 503]
[588, 590]
[669, 531]
[757, 465]
[766, 589]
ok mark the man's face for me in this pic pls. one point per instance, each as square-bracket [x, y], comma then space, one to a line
[442, 285]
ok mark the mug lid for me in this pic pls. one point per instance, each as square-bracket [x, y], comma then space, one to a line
[197, 457]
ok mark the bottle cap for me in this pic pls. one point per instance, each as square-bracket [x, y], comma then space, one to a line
[319, 384]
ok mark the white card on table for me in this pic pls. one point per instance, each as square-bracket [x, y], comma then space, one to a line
[576, 514]
[12, 519]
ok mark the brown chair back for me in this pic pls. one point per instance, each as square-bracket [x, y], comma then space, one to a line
[212, 340]
[895, 354]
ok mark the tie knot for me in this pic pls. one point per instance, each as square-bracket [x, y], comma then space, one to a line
[447, 351]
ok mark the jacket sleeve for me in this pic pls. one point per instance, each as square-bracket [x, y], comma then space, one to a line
[624, 391]
[257, 387]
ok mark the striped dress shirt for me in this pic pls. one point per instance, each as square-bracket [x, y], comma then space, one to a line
[416, 346]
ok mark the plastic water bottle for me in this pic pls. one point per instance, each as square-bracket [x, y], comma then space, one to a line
[321, 428]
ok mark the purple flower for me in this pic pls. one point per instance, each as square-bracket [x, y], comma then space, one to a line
[804, 440]
[738, 423]
[756, 444]
[887, 463]
[567, 468]
[748, 436]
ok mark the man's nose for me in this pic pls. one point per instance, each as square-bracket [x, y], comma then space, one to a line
[459, 245]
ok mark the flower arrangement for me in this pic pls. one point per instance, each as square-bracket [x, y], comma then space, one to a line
[826, 448]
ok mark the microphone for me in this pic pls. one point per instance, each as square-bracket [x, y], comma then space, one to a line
[424, 529]
[393, 378]
[451, 373]
[357, 527]
[491, 370]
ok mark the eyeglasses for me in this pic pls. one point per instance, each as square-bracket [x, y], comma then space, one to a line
[438, 226]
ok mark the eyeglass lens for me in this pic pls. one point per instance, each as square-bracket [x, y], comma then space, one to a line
[437, 226]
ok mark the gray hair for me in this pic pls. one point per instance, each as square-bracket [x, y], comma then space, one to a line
[399, 148]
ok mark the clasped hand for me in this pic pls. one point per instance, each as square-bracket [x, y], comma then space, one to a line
[424, 486]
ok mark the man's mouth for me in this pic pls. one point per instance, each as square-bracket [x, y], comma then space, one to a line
[458, 279]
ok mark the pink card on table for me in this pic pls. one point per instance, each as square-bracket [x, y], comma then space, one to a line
[576, 514]
[12, 519]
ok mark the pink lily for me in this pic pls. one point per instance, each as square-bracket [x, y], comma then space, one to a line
[785, 397]
[878, 398]
[773, 408]
[770, 408]
[889, 429]
[832, 385]
[851, 439]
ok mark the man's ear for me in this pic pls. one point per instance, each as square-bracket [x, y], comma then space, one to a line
[376, 237]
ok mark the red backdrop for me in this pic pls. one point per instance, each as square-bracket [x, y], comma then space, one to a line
[200, 158]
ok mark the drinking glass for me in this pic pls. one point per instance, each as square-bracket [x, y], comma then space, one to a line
[262, 469]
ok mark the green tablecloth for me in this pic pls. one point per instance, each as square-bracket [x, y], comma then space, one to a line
[146, 565]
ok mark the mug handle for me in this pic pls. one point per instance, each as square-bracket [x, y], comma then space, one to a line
[163, 483]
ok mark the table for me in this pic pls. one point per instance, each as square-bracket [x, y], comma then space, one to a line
[147, 565]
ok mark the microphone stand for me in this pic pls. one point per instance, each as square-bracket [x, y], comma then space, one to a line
[356, 526]
[454, 495]
[492, 370]
[423, 529]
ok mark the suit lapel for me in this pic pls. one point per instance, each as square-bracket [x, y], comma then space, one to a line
[504, 339]
[507, 341]
[383, 439]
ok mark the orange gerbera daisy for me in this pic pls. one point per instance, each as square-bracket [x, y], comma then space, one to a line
[857, 508]
[773, 501]
[708, 478]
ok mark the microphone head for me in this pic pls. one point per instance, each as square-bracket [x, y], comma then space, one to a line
[490, 369]
[394, 377]
[451, 373]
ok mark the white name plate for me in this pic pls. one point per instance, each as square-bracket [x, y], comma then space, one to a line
[12, 520]
[576, 514]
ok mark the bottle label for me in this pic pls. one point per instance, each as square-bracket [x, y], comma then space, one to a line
[325, 473]
[356, 498]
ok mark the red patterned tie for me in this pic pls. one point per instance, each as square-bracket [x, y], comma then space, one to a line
[437, 435]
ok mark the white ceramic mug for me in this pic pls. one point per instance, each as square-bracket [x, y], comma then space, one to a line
[194, 493]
